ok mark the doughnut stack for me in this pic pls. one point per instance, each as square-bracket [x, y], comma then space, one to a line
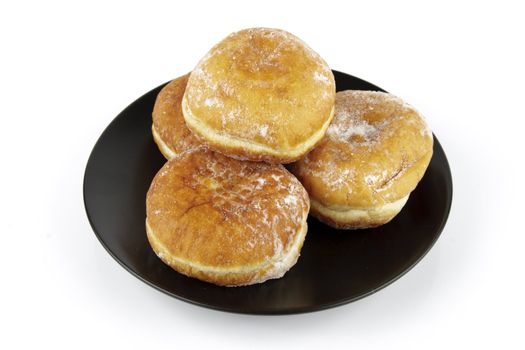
[223, 208]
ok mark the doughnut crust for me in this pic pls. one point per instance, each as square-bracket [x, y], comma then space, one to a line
[374, 154]
[170, 132]
[226, 221]
[260, 94]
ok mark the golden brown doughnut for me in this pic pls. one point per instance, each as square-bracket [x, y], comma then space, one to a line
[373, 155]
[169, 129]
[226, 221]
[260, 94]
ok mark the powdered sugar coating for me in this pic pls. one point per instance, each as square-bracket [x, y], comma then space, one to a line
[356, 122]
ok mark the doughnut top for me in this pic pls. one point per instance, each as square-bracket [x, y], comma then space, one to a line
[375, 151]
[219, 212]
[263, 86]
[168, 121]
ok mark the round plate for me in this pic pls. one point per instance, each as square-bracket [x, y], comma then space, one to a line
[335, 266]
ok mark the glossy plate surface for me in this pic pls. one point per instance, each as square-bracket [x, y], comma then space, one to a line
[335, 267]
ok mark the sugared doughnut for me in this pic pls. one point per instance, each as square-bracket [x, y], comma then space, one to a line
[260, 94]
[169, 129]
[373, 155]
[226, 221]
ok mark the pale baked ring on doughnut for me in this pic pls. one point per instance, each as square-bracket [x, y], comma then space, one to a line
[226, 221]
[260, 94]
[373, 155]
[170, 132]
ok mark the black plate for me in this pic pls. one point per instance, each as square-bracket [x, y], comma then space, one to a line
[335, 267]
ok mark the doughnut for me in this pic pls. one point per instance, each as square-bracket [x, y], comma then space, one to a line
[169, 130]
[374, 153]
[260, 94]
[226, 221]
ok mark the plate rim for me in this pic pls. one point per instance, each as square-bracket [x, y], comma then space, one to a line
[290, 311]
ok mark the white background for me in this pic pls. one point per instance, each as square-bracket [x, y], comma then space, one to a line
[66, 70]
